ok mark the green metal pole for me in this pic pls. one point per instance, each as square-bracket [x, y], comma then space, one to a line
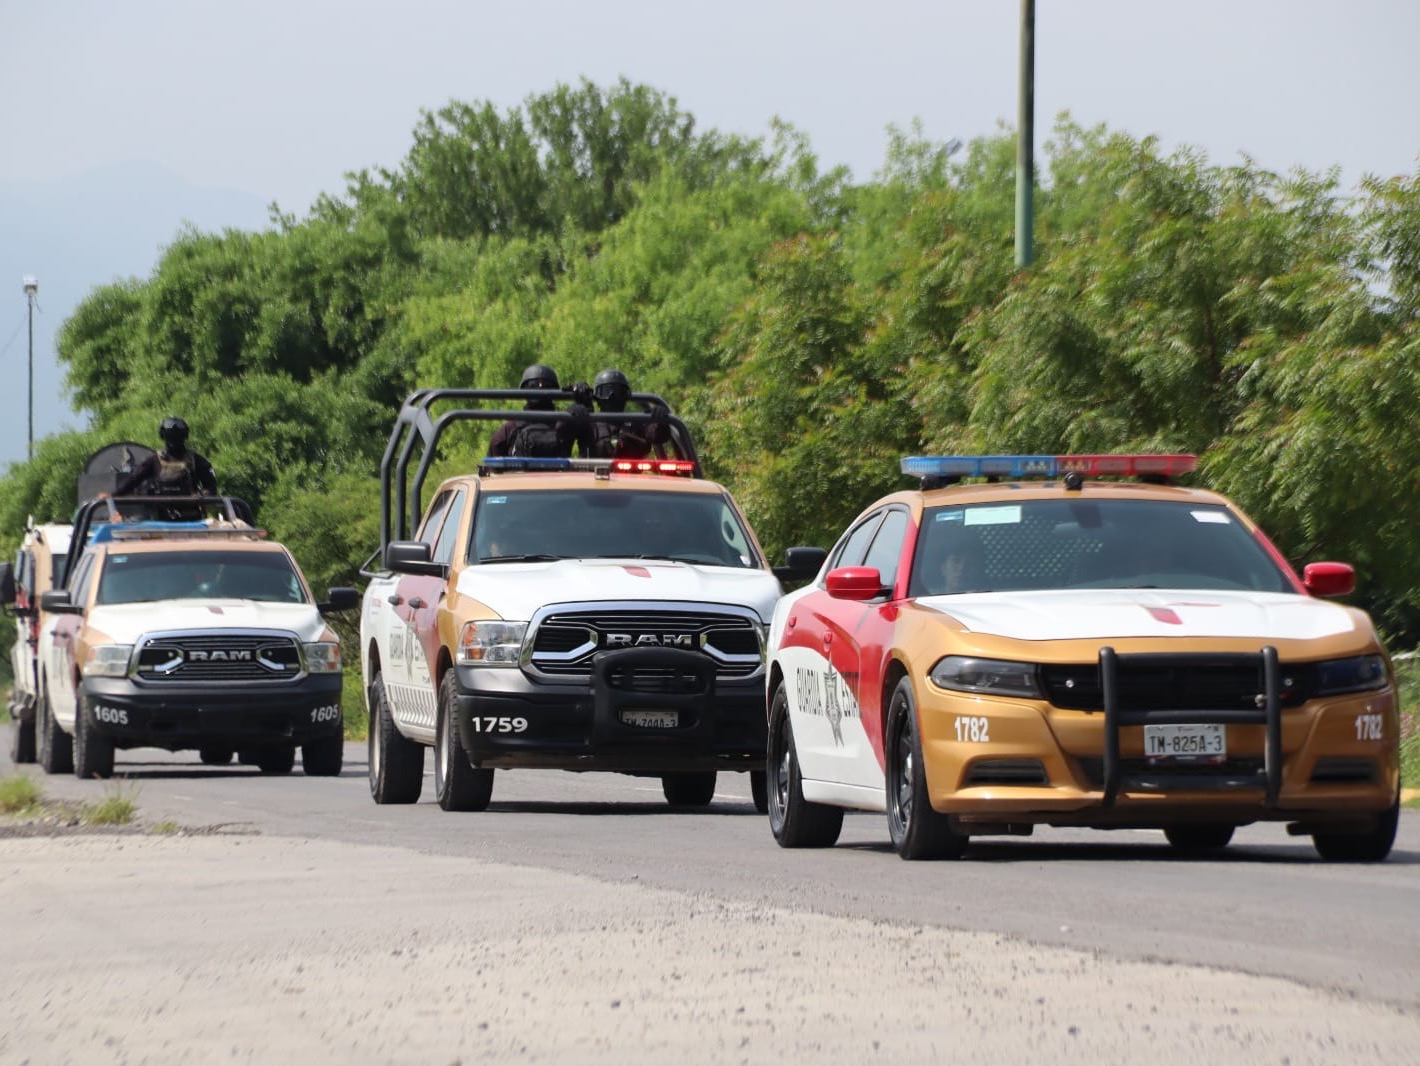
[1025, 141]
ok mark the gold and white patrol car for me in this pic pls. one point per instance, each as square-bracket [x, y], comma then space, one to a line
[1022, 642]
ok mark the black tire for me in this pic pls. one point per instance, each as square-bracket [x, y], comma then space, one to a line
[213, 755]
[794, 821]
[396, 763]
[276, 760]
[917, 831]
[1199, 839]
[323, 757]
[22, 742]
[691, 788]
[55, 747]
[93, 752]
[1371, 846]
[457, 784]
[759, 790]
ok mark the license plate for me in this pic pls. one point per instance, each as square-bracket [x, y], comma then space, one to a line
[1185, 743]
[651, 719]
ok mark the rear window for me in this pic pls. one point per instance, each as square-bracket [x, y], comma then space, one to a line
[1084, 543]
[609, 524]
[140, 577]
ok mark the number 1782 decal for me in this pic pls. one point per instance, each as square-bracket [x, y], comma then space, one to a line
[973, 729]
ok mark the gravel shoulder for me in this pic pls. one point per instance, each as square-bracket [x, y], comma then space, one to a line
[248, 948]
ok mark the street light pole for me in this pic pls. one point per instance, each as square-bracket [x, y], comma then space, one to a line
[31, 287]
[1025, 141]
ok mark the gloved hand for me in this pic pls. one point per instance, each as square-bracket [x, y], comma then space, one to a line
[582, 394]
[580, 412]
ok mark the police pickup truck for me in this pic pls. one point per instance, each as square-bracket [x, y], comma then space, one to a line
[194, 633]
[573, 614]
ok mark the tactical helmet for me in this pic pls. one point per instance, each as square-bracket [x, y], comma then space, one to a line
[611, 389]
[539, 376]
[173, 432]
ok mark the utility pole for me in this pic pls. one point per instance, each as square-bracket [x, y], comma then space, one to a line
[1025, 141]
[31, 287]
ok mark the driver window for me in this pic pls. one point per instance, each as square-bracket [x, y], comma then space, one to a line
[855, 546]
[429, 528]
[444, 547]
[886, 549]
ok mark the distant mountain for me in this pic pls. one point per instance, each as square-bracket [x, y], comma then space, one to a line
[72, 235]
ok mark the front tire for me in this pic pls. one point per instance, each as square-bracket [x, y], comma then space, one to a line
[22, 742]
[917, 831]
[396, 763]
[694, 788]
[93, 752]
[56, 747]
[1371, 846]
[324, 757]
[459, 786]
[794, 821]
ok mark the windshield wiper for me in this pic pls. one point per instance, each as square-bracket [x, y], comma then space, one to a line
[519, 558]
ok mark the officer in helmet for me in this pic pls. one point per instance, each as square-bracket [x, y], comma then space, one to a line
[624, 440]
[525, 437]
[175, 470]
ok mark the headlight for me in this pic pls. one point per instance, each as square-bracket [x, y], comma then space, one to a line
[322, 658]
[988, 676]
[491, 643]
[1358, 674]
[108, 660]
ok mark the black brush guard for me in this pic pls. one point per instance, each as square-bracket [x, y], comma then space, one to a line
[1116, 717]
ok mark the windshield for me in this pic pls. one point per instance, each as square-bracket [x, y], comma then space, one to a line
[138, 577]
[1084, 543]
[610, 524]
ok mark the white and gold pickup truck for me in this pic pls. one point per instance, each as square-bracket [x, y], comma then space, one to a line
[186, 635]
[562, 613]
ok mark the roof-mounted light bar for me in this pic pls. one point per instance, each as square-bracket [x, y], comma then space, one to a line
[945, 469]
[604, 467]
[171, 531]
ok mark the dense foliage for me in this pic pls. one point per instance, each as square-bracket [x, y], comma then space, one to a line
[810, 329]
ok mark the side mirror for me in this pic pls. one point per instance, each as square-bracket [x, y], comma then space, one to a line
[412, 557]
[1329, 579]
[855, 583]
[340, 599]
[801, 564]
[56, 601]
[7, 583]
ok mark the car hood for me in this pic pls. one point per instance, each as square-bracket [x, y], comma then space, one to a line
[1120, 613]
[517, 590]
[125, 623]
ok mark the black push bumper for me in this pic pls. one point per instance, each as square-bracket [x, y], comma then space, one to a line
[178, 717]
[508, 719]
[1267, 713]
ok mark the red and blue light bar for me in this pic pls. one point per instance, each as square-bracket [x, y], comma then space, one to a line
[498, 464]
[1025, 467]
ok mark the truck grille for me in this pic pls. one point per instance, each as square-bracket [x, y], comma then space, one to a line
[220, 657]
[565, 641]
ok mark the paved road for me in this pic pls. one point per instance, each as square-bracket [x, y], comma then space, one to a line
[576, 891]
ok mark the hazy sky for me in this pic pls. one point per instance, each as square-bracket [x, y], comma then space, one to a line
[258, 101]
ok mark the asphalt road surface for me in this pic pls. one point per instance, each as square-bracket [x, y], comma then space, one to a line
[580, 919]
